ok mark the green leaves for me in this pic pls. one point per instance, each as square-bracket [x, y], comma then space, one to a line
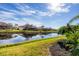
[72, 34]
[73, 19]
[75, 52]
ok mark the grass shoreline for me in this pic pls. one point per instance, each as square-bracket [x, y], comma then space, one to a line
[19, 43]
[29, 48]
[12, 31]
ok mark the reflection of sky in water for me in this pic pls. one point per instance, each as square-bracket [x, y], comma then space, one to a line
[19, 38]
[12, 40]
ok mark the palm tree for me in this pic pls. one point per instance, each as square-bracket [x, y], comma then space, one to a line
[76, 37]
[73, 19]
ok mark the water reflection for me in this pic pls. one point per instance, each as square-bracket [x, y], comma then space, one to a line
[5, 36]
[21, 37]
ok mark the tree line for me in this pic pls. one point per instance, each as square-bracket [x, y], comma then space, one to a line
[4, 26]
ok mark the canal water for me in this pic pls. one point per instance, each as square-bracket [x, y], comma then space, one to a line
[16, 38]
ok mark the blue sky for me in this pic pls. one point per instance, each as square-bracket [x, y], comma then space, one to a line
[47, 14]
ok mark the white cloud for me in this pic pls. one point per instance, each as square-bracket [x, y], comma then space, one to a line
[40, 13]
[54, 8]
[31, 21]
[9, 17]
[27, 10]
[59, 7]
[48, 13]
[5, 14]
[24, 10]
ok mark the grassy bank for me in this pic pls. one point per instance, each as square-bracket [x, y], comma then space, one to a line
[16, 31]
[32, 48]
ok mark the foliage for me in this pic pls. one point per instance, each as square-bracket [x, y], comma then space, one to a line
[72, 34]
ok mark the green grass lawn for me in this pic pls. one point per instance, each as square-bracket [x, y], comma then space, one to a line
[15, 31]
[30, 48]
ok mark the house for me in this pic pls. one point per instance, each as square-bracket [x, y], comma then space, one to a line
[4, 25]
[29, 27]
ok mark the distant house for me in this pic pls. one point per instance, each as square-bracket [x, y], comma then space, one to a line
[4, 25]
[29, 27]
[21, 27]
[16, 27]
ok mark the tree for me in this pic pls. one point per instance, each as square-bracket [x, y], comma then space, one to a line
[73, 19]
[75, 50]
[72, 35]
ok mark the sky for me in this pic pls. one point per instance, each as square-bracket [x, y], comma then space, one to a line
[47, 14]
